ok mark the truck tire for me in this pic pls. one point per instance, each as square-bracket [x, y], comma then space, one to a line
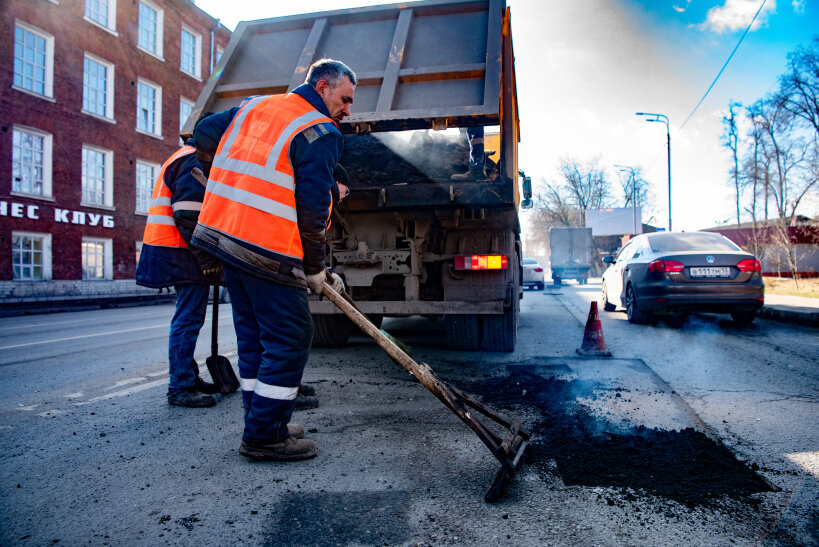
[500, 332]
[463, 331]
[331, 331]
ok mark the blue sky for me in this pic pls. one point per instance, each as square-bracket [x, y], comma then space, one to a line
[584, 67]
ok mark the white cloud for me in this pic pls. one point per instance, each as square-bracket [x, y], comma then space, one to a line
[798, 6]
[680, 9]
[736, 14]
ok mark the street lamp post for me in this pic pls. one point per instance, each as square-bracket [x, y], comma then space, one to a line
[664, 119]
[624, 168]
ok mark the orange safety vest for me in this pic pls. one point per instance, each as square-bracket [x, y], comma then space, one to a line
[251, 189]
[160, 228]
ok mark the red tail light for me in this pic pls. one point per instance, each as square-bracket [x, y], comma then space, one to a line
[665, 266]
[749, 265]
[480, 262]
[538, 270]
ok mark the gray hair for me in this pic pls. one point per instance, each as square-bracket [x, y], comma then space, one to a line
[329, 70]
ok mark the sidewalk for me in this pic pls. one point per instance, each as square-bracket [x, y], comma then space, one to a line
[797, 309]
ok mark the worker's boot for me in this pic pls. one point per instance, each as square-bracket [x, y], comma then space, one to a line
[202, 386]
[305, 402]
[191, 399]
[290, 449]
[295, 430]
[474, 173]
[304, 389]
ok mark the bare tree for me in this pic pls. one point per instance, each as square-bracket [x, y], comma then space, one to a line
[642, 193]
[731, 141]
[584, 185]
[799, 86]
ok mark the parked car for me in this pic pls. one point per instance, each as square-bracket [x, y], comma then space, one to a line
[533, 274]
[670, 274]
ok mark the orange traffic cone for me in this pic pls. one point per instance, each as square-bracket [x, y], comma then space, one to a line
[593, 342]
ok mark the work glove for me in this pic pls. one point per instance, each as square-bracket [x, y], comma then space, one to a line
[316, 281]
[335, 281]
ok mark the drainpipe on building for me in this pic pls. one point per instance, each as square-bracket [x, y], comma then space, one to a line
[212, 45]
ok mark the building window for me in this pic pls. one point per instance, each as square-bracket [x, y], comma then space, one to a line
[102, 12]
[150, 28]
[219, 52]
[138, 250]
[149, 108]
[97, 176]
[145, 177]
[96, 259]
[98, 87]
[185, 109]
[30, 256]
[33, 60]
[191, 53]
[31, 162]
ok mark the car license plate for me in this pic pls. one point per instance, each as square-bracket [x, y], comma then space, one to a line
[722, 271]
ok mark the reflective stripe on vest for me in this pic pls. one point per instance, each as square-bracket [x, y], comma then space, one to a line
[251, 192]
[160, 228]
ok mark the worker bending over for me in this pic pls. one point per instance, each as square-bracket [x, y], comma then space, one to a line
[168, 260]
[265, 213]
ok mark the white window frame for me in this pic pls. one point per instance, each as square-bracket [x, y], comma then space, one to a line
[107, 258]
[111, 26]
[48, 77]
[159, 30]
[197, 52]
[155, 167]
[157, 109]
[109, 87]
[46, 255]
[107, 181]
[182, 118]
[47, 159]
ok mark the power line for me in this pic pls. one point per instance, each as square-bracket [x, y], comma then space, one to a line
[725, 65]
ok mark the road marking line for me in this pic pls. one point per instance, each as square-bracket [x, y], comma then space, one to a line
[164, 325]
[126, 382]
[160, 373]
[124, 392]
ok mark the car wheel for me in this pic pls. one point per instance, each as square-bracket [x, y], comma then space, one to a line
[676, 321]
[635, 314]
[743, 317]
[604, 296]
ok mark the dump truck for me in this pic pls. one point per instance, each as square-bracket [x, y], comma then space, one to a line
[570, 254]
[408, 240]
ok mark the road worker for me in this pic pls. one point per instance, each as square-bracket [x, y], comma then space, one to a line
[265, 213]
[167, 259]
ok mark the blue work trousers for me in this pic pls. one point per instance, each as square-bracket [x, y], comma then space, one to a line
[191, 304]
[477, 156]
[273, 333]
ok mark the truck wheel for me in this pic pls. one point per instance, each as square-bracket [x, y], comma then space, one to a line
[463, 332]
[500, 332]
[331, 331]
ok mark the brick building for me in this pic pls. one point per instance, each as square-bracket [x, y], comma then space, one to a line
[94, 93]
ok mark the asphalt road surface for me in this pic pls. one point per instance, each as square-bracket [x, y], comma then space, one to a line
[705, 434]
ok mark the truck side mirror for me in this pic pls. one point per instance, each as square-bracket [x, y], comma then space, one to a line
[608, 260]
[527, 188]
[527, 204]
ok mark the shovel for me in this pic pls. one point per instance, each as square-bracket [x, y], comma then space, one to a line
[218, 365]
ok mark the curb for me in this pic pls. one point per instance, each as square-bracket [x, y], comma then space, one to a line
[810, 319]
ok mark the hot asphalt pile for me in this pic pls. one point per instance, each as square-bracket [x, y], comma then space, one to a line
[685, 466]
[389, 158]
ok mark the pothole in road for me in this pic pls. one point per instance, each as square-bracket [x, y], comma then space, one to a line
[683, 465]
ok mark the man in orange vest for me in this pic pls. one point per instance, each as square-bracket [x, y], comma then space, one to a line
[168, 260]
[265, 214]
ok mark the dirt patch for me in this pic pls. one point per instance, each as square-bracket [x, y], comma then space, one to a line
[685, 466]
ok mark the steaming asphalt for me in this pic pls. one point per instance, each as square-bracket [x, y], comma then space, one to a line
[91, 453]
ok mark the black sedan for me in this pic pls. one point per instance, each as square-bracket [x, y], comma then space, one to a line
[669, 274]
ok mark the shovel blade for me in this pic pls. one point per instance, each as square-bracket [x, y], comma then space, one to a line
[222, 373]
